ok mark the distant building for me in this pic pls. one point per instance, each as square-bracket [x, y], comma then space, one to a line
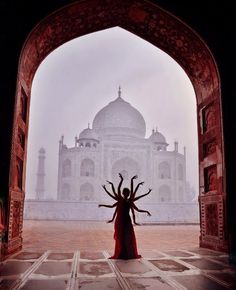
[116, 143]
[40, 183]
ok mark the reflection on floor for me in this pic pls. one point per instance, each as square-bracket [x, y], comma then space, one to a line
[195, 269]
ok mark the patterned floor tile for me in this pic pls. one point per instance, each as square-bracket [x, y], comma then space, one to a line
[131, 266]
[54, 268]
[60, 256]
[50, 284]
[99, 284]
[149, 284]
[151, 254]
[14, 267]
[178, 254]
[198, 282]
[169, 265]
[204, 264]
[28, 256]
[61, 270]
[94, 268]
[205, 252]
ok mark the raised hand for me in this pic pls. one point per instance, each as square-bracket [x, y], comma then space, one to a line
[109, 182]
[121, 177]
[141, 183]
[135, 177]
[110, 221]
[149, 190]
[148, 213]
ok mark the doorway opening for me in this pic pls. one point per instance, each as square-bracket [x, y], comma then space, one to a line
[134, 130]
[166, 32]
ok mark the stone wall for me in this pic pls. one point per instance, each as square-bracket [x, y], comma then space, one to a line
[72, 210]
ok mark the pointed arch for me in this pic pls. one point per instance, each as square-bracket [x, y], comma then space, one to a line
[126, 165]
[165, 194]
[87, 167]
[162, 29]
[86, 192]
[66, 168]
[164, 170]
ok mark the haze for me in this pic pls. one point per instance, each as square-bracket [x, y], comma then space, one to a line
[82, 76]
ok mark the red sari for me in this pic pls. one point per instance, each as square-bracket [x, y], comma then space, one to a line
[125, 242]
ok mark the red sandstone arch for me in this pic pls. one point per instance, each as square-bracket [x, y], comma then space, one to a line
[168, 33]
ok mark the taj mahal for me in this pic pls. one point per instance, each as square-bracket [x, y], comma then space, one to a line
[114, 144]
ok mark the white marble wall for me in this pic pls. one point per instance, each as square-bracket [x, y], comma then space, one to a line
[72, 210]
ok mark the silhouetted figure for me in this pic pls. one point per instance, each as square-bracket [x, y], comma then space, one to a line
[125, 242]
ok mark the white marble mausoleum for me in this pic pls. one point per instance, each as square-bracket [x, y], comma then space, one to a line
[116, 143]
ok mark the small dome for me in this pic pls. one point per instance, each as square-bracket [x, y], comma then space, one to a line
[119, 118]
[157, 137]
[88, 134]
[42, 150]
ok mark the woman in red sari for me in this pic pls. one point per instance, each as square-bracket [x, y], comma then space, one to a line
[125, 242]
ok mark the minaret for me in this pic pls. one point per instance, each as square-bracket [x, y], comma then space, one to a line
[40, 175]
[176, 146]
[119, 92]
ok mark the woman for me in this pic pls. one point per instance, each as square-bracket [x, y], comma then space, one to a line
[125, 242]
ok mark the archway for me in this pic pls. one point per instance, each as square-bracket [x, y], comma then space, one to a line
[169, 34]
[127, 166]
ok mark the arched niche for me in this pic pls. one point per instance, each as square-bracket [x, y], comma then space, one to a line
[87, 167]
[127, 166]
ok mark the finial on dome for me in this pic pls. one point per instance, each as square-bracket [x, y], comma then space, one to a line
[119, 92]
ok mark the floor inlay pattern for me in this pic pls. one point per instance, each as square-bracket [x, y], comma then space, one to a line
[194, 269]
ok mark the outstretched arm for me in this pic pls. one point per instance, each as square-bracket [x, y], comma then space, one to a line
[138, 197]
[110, 221]
[106, 205]
[119, 186]
[112, 196]
[140, 210]
[112, 187]
[132, 184]
[136, 189]
[134, 218]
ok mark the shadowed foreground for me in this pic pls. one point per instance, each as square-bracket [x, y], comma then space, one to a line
[75, 255]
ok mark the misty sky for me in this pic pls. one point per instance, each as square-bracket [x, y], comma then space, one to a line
[82, 76]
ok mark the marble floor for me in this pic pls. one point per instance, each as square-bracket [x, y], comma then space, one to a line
[194, 268]
[57, 255]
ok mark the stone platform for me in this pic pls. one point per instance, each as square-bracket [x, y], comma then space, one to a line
[187, 212]
[195, 269]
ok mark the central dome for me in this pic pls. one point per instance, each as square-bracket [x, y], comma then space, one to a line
[119, 118]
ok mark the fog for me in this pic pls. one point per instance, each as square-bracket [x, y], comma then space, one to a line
[82, 76]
